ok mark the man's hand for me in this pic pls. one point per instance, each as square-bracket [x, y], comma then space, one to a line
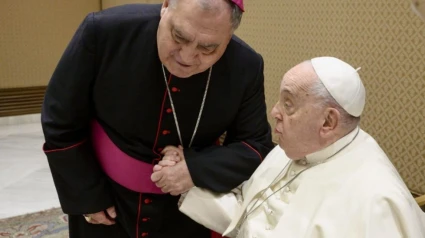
[103, 218]
[171, 173]
[172, 155]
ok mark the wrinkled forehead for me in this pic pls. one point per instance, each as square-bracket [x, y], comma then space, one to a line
[288, 89]
[297, 82]
[193, 20]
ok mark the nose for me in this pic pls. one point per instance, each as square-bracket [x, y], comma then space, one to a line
[188, 53]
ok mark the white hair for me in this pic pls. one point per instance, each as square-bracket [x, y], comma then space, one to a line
[325, 99]
[236, 12]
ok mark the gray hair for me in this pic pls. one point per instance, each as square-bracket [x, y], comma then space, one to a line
[325, 99]
[236, 12]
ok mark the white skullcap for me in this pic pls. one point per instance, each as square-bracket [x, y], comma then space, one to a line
[343, 82]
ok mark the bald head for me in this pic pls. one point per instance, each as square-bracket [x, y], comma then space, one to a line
[300, 78]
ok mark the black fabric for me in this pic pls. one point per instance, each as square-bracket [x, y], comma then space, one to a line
[161, 218]
[79, 180]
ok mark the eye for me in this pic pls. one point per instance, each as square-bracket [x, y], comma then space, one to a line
[206, 51]
[178, 39]
[287, 105]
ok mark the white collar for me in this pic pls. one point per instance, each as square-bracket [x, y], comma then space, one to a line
[321, 155]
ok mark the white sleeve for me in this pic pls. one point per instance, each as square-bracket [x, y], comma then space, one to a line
[214, 211]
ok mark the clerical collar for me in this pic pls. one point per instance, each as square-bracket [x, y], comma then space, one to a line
[332, 149]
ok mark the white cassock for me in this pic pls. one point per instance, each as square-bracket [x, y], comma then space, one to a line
[355, 193]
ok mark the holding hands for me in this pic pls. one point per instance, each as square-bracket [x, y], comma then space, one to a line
[171, 173]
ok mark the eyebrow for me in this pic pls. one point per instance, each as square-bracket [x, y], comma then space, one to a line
[209, 46]
[285, 90]
[183, 37]
[180, 34]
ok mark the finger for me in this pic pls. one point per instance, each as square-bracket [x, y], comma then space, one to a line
[171, 153]
[90, 220]
[93, 221]
[171, 158]
[165, 163]
[111, 212]
[101, 218]
[181, 152]
[161, 183]
[168, 148]
[157, 168]
[155, 177]
[165, 189]
[181, 147]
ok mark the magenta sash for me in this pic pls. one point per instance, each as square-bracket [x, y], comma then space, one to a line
[123, 169]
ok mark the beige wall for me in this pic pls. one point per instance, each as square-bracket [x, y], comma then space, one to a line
[33, 36]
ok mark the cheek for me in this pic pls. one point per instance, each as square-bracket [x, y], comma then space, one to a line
[206, 61]
[167, 48]
[290, 122]
[293, 125]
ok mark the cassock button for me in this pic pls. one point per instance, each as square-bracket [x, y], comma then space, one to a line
[270, 211]
[268, 227]
[166, 132]
[147, 201]
[169, 110]
[174, 89]
[292, 173]
[145, 219]
[145, 234]
[287, 189]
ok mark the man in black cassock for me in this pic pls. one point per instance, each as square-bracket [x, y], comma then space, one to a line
[139, 78]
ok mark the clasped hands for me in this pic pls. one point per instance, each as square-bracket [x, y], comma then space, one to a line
[171, 173]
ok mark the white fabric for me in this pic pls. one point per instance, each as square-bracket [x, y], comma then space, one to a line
[357, 193]
[343, 82]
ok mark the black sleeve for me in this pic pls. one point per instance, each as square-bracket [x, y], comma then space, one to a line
[248, 141]
[66, 113]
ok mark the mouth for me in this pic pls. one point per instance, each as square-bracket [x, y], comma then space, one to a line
[277, 132]
[183, 65]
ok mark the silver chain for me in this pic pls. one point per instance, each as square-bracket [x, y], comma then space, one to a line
[174, 110]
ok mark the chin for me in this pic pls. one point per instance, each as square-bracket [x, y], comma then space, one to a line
[292, 156]
[183, 74]
[180, 71]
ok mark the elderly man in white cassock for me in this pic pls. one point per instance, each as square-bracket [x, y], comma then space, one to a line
[326, 178]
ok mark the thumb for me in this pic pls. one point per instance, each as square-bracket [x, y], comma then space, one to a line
[157, 168]
[111, 212]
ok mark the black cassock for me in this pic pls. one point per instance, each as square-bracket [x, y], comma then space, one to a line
[110, 72]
